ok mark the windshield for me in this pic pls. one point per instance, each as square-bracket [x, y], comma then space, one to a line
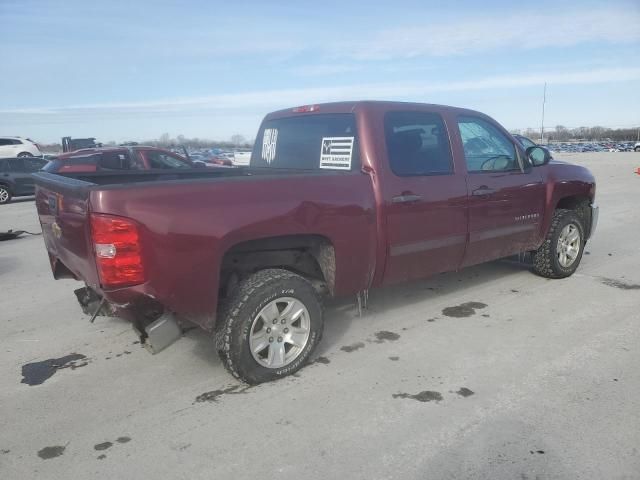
[308, 142]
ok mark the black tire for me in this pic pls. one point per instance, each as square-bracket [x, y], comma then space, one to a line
[5, 194]
[24, 154]
[247, 301]
[637, 149]
[545, 259]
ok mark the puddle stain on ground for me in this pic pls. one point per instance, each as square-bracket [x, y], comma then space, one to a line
[353, 347]
[426, 396]
[464, 310]
[102, 457]
[465, 392]
[123, 439]
[322, 360]
[36, 373]
[214, 395]
[394, 359]
[431, 319]
[612, 282]
[103, 446]
[51, 452]
[384, 335]
[540, 452]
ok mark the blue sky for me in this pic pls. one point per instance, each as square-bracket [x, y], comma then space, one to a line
[133, 70]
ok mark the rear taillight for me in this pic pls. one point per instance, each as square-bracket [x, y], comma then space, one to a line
[116, 243]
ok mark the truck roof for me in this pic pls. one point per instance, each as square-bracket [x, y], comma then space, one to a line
[371, 105]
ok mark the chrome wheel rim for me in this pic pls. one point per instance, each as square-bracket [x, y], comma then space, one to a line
[4, 195]
[280, 332]
[568, 245]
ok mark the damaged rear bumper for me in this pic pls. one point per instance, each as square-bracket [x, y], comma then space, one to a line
[156, 328]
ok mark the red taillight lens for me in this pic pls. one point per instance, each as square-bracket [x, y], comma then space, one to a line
[117, 249]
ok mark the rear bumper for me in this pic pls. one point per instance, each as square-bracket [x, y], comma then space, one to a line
[595, 211]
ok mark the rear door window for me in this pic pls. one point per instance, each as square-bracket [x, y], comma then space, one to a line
[308, 142]
[417, 144]
[34, 164]
[16, 165]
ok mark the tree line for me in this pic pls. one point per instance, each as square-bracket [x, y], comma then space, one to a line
[561, 133]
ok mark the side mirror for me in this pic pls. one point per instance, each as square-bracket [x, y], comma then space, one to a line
[538, 156]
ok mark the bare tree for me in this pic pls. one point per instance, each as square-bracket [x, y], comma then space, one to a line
[238, 140]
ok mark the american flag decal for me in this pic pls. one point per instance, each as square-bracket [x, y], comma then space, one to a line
[336, 153]
[269, 142]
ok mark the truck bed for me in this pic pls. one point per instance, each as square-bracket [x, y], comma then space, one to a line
[189, 220]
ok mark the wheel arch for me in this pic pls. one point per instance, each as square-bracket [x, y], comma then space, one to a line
[309, 255]
[580, 204]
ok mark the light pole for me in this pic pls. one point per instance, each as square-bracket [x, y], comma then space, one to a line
[544, 99]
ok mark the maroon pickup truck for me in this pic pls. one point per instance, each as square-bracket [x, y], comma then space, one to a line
[338, 199]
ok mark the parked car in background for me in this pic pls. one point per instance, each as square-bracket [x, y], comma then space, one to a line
[15, 176]
[636, 147]
[241, 158]
[119, 158]
[18, 147]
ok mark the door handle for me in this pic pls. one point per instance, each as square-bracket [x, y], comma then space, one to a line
[482, 191]
[406, 198]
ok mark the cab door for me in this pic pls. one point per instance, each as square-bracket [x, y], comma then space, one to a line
[425, 200]
[506, 195]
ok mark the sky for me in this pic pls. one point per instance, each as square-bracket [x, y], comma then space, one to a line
[133, 70]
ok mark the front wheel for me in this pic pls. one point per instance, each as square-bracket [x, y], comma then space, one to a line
[561, 252]
[24, 154]
[270, 326]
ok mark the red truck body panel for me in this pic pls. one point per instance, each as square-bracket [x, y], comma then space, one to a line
[187, 225]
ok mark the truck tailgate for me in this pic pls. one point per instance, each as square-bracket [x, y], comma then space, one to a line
[63, 209]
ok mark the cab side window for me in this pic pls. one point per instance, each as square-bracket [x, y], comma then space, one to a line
[417, 144]
[486, 148]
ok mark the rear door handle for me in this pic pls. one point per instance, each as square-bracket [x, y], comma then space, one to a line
[406, 198]
[482, 191]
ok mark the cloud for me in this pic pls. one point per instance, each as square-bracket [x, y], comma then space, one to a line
[260, 101]
[523, 30]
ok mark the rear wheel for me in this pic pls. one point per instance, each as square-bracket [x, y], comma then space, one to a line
[561, 252]
[270, 326]
[24, 154]
[5, 194]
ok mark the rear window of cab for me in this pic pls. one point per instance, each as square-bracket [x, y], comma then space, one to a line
[308, 142]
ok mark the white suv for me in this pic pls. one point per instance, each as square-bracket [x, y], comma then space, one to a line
[18, 147]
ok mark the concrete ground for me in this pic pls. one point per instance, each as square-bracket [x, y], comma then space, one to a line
[541, 383]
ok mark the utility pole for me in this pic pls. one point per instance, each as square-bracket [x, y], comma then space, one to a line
[544, 99]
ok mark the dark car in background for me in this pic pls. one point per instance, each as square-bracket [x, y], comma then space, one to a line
[119, 158]
[15, 176]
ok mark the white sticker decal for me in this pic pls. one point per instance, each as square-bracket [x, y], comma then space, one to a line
[269, 140]
[336, 152]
